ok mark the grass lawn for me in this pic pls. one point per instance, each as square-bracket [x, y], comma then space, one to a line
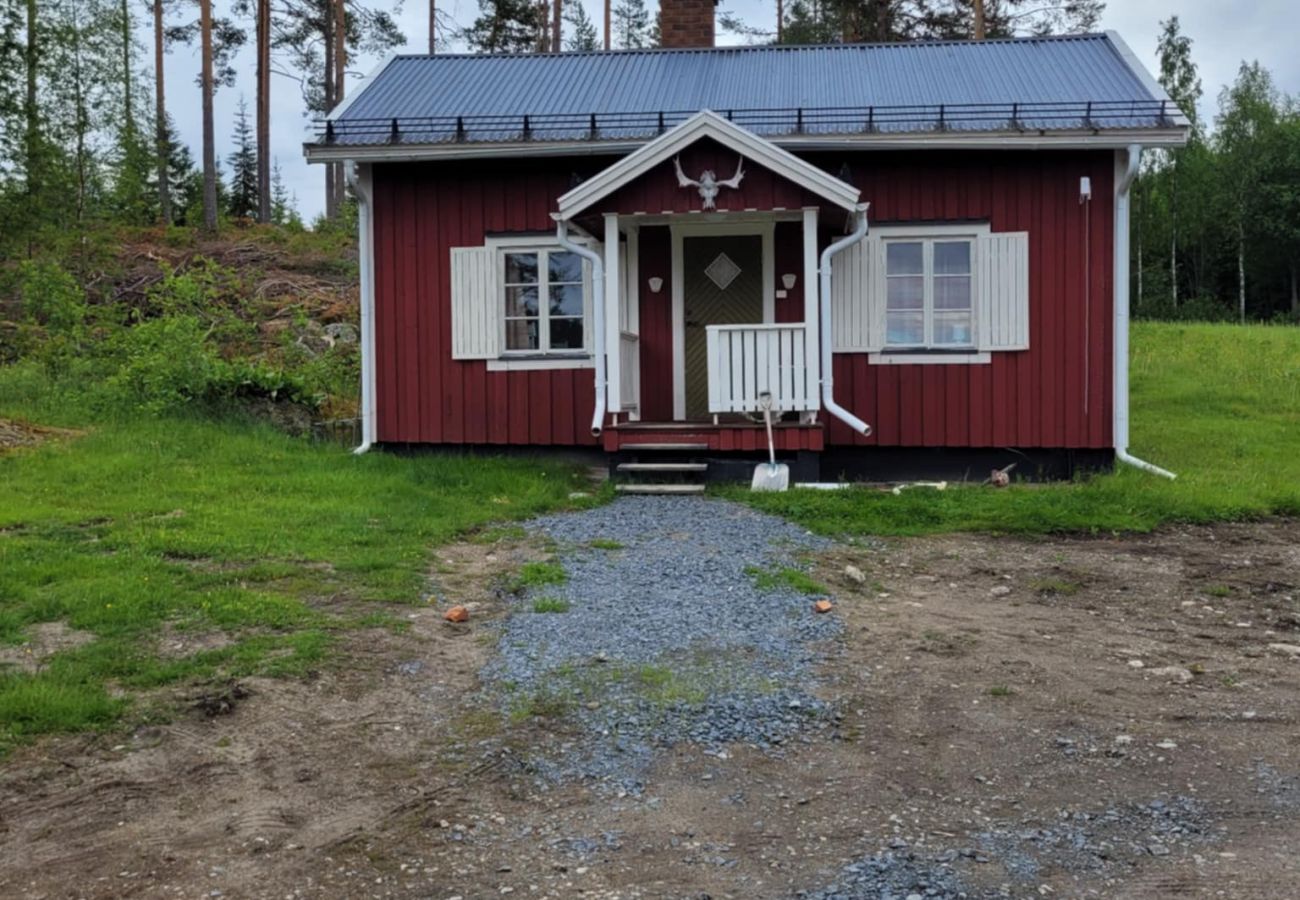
[1217, 404]
[216, 527]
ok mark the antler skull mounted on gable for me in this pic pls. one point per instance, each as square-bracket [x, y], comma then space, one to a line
[708, 183]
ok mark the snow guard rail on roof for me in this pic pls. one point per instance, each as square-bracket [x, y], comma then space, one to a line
[1091, 115]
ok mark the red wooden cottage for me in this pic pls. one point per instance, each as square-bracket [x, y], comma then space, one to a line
[913, 252]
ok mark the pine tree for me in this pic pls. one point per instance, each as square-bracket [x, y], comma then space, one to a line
[284, 206]
[507, 26]
[242, 201]
[631, 24]
[583, 35]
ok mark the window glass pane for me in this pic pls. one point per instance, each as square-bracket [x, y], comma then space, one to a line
[952, 257]
[521, 268]
[952, 328]
[907, 292]
[521, 301]
[521, 334]
[566, 299]
[904, 328]
[566, 334]
[904, 258]
[564, 266]
[952, 292]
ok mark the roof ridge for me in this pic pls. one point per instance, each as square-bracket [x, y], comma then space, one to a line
[769, 48]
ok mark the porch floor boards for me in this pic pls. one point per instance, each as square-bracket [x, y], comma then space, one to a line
[725, 437]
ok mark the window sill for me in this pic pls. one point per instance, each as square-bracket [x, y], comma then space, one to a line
[539, 363]
[929, 357]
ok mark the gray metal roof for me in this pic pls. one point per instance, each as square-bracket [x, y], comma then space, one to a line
[1049, 83]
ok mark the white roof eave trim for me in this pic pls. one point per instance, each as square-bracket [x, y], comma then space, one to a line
[707, 124]
[1038, 140]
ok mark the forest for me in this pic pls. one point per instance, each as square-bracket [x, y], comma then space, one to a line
[88, 147]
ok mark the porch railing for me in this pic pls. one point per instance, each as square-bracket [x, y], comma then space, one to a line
[747, 360]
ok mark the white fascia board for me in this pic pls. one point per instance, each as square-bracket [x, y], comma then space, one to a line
[1116, 139]
[366, 82]
[707, 123]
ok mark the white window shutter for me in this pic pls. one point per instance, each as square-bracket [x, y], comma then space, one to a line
[476, 307]
[858, 298]
[1002, 312]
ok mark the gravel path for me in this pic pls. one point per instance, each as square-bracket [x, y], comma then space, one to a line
[666, 637]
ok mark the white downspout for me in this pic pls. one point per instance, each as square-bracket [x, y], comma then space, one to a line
[365, 239]
[598, 315]
[824, 304]
[1120, 377]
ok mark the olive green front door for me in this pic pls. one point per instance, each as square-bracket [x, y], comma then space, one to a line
[722, 284]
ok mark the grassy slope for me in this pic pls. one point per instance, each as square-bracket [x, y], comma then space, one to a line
[1218, 404]
[217, 526]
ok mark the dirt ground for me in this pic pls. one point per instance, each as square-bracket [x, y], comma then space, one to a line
[1056, 717]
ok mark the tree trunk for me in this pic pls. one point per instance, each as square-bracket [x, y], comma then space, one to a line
[1295, 292]
[1173, 240]
[608, 20]
[128, 108]
[264, 111]
[1241, 270]
[433, 26]
[160, 113]
[32, 135]
[556, 30]
[340, 65]
[780, 21]
[977, 10]
[1137, 197]
[209, 135]
[331, 209]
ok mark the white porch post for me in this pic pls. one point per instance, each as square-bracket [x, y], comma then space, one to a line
[811, 308]
[613, 298]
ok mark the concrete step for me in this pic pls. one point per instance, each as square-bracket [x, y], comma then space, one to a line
[663, 467]
[659, 488]
[659, 447]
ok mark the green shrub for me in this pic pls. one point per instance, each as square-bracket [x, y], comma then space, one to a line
[166, 364]
[51, 297]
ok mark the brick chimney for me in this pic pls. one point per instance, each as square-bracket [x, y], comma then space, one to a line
[686, 23]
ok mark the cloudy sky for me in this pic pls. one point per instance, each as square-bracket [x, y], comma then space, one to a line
[1223, 34]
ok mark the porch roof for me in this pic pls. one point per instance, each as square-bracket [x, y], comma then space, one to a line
[702, 125]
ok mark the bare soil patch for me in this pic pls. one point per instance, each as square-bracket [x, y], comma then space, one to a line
[43, 640]
[992, 725]
[15, 434]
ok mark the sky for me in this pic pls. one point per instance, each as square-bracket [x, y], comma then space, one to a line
[1223, 36]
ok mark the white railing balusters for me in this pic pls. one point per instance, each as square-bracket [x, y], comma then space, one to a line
[745, 361]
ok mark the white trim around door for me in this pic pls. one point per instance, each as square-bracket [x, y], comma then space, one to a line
[766, 229]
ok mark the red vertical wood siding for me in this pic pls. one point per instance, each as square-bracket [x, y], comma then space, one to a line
[1056, 394]
[424, 396]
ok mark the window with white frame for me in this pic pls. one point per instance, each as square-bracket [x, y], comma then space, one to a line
[929, 293]
[545, 301]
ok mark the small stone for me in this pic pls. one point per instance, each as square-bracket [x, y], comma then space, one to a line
[1000, 591]
[1173, 673]
[1136, 664]
[1292, 650]
[822, 606]
[853, 573]
[456, 614]
[1167, 744]
[1157, 849]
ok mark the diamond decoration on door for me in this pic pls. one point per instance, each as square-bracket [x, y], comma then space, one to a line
[722, 271]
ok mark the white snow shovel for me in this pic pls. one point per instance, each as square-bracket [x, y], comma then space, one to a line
[771, 475]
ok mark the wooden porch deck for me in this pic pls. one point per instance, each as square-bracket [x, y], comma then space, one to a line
[725, 437]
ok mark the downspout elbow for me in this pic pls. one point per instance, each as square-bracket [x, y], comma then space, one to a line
[366, 255]
[598, 317]
[824, 306]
